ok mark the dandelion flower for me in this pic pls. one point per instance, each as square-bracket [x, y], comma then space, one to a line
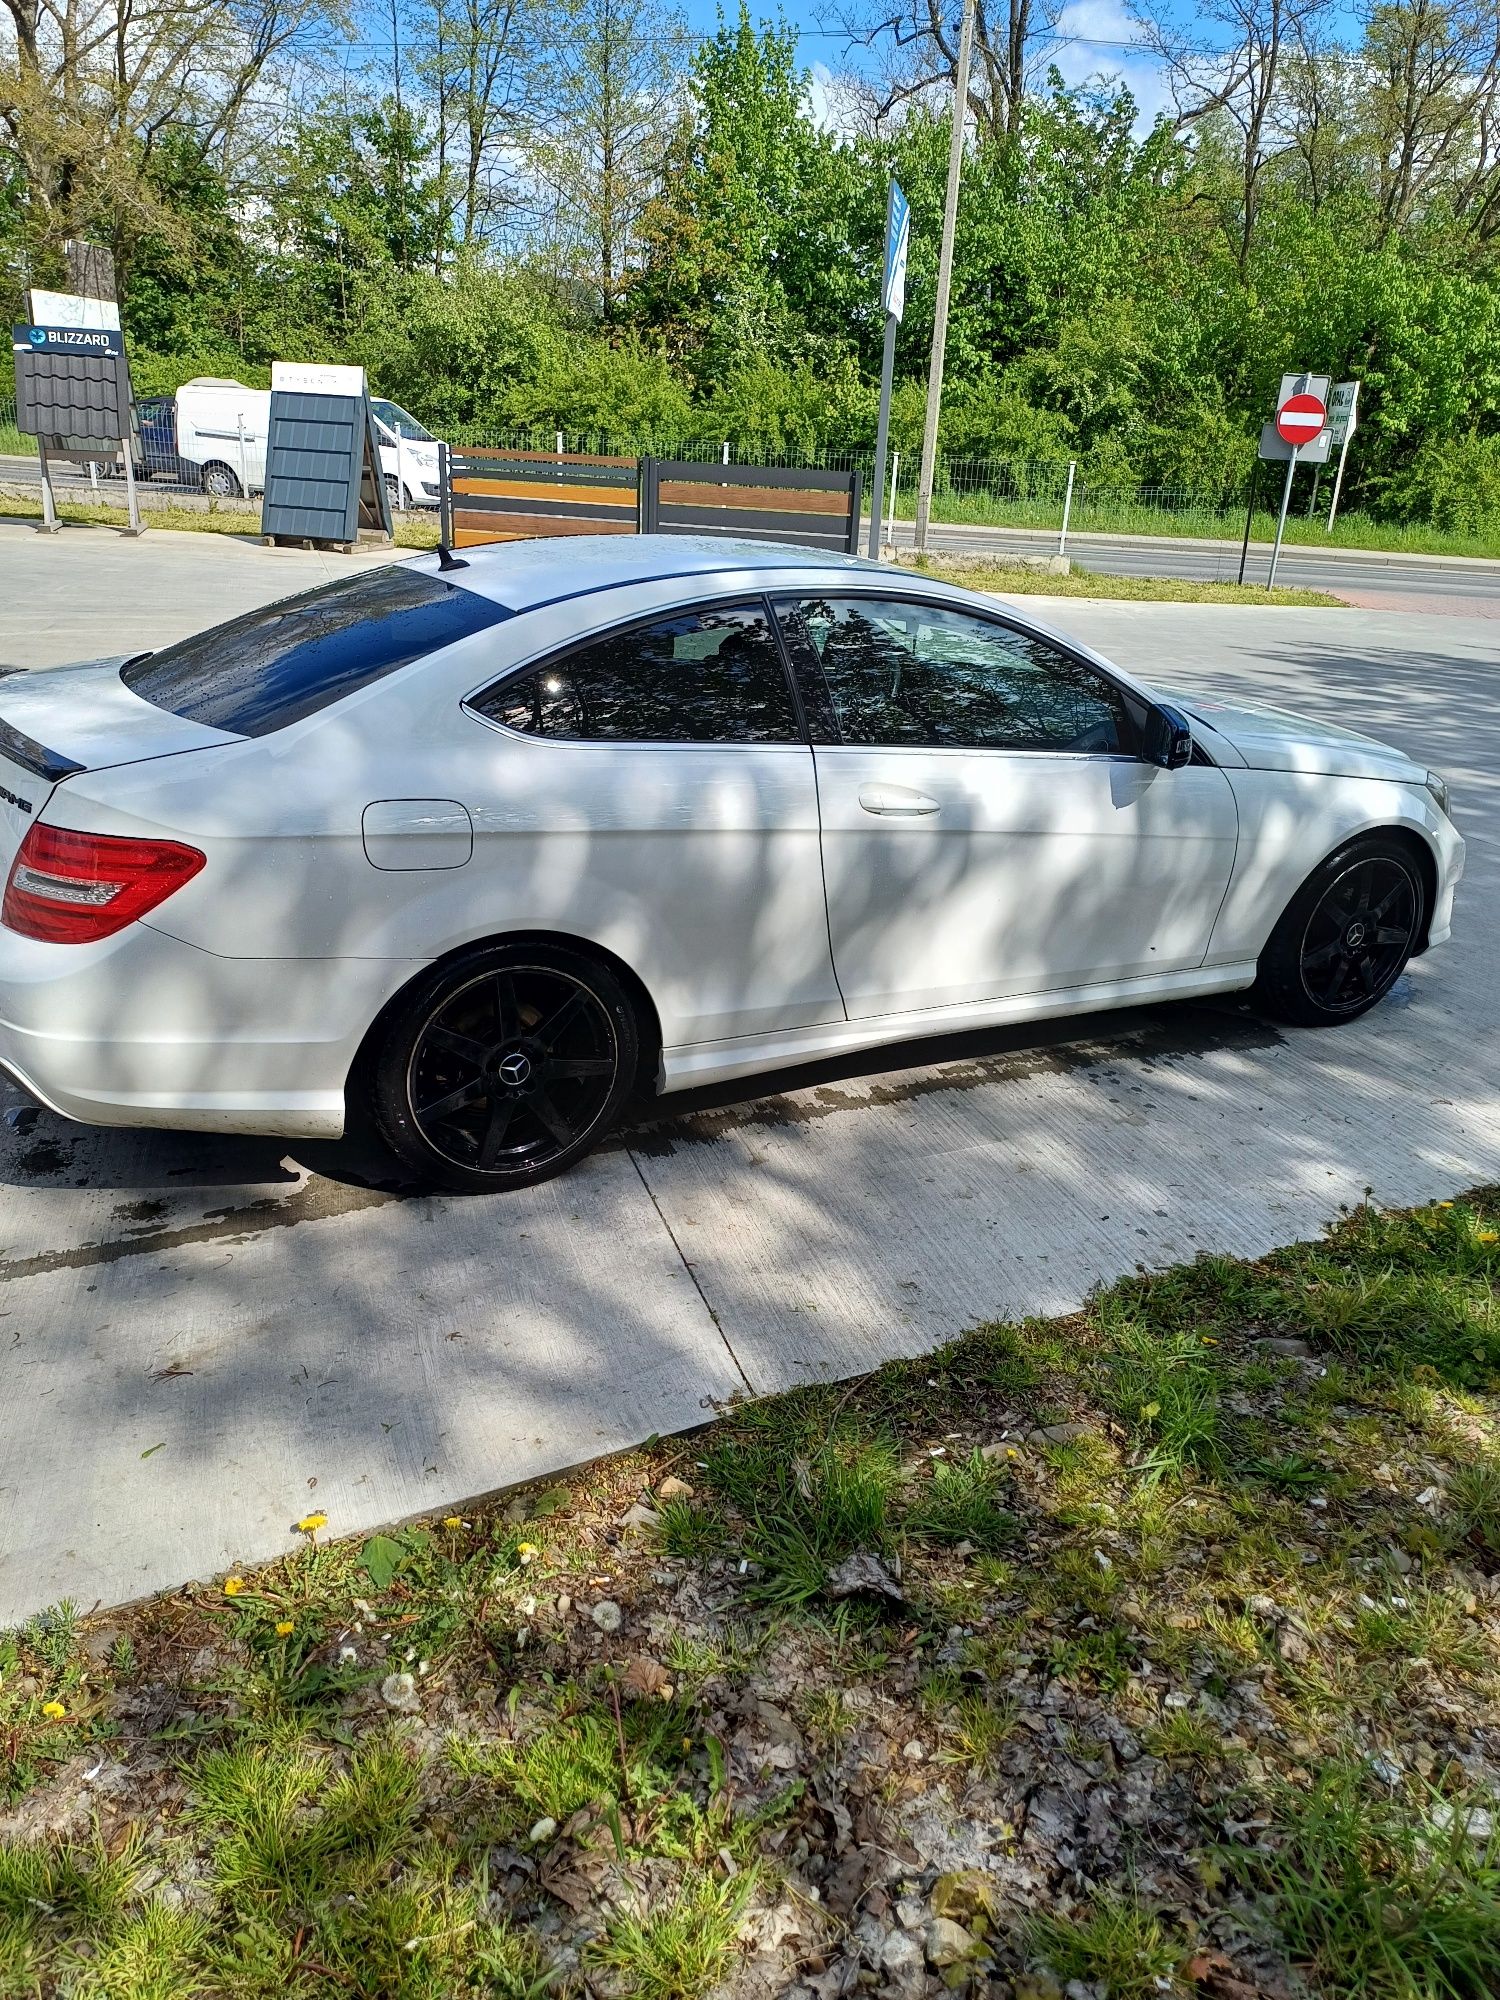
[1486, 1236]
[1445, 1204]
[452, 1521]
[53, 1710]
[285, 1629]
[233, 1585]
[310, 1523]
[527, 1552]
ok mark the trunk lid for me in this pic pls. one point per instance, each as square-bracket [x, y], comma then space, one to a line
[56, 721]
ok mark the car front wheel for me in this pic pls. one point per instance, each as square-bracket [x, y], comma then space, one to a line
[1346, 936]
[504, 1067]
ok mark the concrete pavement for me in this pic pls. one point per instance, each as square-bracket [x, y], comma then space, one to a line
[201, 1338]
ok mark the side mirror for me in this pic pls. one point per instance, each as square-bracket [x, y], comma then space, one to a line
[1167, 739]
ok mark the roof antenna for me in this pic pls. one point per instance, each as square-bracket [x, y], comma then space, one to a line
[448, 560]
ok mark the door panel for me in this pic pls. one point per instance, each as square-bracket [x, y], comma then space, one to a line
[987, 827]
[1035, 871]
[652, 783]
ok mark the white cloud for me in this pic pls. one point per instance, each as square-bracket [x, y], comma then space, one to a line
[1098, 39]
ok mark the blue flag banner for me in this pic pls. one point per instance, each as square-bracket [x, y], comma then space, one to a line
[897, 236]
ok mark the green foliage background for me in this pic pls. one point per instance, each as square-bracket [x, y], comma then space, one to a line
[1114, 301]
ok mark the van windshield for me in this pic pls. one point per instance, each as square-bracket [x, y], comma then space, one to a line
[396, 419]
[274, 666]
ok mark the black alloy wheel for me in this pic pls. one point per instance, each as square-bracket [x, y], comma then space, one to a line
[1347, 936]
[506, 1068]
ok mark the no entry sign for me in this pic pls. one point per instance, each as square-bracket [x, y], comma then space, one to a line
[1300, 418]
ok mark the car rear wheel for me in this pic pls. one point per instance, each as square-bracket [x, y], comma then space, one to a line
[504, 1068]
[1346, 936]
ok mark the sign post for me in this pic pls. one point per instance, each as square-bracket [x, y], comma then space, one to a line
[1301, 417]
[70, 367]
[893, 302]
[1343, 418]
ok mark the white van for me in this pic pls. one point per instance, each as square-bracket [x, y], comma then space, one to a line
[212, 435]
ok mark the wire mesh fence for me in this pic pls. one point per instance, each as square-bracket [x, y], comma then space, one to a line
[1015, 493]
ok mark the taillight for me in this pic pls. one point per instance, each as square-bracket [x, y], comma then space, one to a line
[71, 888]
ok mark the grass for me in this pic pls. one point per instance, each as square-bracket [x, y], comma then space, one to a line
[1014, 579]
[1379, 1897]
[682, 1949]
[1126, 516]
[1127, 1949]
[1254, 1570]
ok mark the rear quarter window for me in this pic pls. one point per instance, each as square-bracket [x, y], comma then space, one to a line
[274, 666]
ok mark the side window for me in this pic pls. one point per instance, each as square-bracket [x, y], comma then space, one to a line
[921, 674]
[710, 676]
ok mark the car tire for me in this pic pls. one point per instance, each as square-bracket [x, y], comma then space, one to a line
[219, 482]
[504, 1067]
[393, 492]
[1344, 939]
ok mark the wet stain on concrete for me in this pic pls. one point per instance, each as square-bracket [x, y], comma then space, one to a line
[43, 1160]
[145, 1212]
[315, 1201]
[1165, 1042]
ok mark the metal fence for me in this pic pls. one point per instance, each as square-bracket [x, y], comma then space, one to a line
[494, 495]
[1000, 492]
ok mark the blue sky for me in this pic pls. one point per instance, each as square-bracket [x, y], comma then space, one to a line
[1096, 36]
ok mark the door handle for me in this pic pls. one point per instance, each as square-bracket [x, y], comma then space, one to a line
[896, 801]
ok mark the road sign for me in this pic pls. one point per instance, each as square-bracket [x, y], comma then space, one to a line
[1299, 434]
[1300, 418]
[897, 237]
[1275, 449]
[1343, 406]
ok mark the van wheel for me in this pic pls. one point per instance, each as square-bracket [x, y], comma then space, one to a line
[220, 482]
[393, 491]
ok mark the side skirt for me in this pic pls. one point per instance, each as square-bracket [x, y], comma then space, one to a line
[691, 1064]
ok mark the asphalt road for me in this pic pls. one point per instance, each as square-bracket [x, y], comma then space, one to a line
[1449, 583]
[199, 1335]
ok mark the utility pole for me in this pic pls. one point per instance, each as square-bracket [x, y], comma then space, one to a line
[945, 275]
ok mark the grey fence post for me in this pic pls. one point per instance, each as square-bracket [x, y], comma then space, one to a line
[856, 508]
[1062, 540]
[445, 495]
[646, 495]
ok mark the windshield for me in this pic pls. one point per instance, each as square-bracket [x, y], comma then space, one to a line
[396, 419]
[276, 665]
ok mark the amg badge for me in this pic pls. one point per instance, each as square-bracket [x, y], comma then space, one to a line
[20, 804]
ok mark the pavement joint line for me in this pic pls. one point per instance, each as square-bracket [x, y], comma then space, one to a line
[714, 1319]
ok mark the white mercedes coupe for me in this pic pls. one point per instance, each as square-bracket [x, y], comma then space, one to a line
[483, 843]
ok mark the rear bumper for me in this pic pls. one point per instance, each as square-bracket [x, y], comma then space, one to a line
[143, 1029]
